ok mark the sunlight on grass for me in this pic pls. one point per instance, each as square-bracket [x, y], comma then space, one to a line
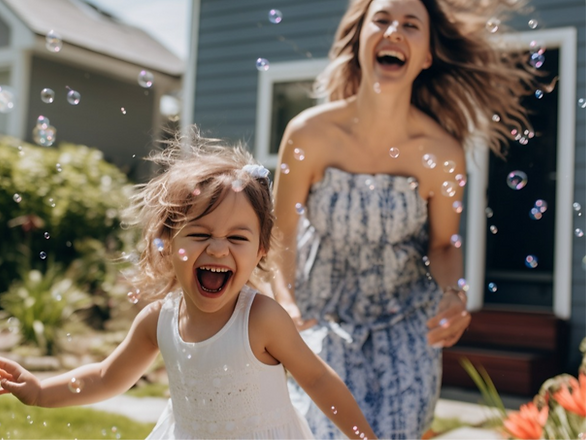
[18, 421]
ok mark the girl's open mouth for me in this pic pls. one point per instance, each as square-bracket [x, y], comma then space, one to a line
[212, 279]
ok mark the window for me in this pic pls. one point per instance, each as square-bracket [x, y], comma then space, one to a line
[283, 91]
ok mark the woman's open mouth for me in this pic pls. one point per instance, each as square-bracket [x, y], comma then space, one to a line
[212, 279]
[391, 58]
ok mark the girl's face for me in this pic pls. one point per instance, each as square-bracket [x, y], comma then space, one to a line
[394, 41]
[214, 256]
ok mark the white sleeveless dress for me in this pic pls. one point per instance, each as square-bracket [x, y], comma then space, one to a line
[219, 389]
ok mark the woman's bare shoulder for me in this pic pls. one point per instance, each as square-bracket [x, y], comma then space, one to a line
[318, 120]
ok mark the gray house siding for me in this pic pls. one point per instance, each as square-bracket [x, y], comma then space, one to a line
[97, 120]
[234, 33]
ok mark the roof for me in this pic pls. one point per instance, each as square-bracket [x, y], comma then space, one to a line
[83, 25]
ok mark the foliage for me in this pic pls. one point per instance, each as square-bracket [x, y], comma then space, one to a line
[557, 412]
[42, 303]
[52, 200]
[21, 421]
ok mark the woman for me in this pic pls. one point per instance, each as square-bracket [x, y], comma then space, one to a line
[371, 276]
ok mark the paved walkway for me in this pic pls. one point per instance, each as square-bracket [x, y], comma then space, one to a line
[148, 409]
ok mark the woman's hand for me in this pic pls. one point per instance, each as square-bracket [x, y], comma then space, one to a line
[446, 328]
[17, 380]
[293, 311]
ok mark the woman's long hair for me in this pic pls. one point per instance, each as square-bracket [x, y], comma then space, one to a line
[474, 83]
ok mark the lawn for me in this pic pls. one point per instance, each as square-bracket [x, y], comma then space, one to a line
[18, 421]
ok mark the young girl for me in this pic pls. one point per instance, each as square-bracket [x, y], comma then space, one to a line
[207, 222]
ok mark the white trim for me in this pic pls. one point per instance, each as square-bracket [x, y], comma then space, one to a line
[475, 257]
[565, 40]
[189, 78]
[278, 72]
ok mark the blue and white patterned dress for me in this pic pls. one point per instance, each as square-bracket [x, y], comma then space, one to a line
[361, 273]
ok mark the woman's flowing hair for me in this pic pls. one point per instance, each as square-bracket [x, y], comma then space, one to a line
[475, 82]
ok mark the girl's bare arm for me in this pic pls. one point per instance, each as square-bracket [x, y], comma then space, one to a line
[93, 382]
[283, 342]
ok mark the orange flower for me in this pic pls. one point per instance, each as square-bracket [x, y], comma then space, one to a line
[528, 423]
[573, 398]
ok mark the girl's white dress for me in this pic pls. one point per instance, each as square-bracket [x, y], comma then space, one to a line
[219, 389]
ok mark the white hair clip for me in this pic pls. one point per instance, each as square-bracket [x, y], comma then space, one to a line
[256, 171]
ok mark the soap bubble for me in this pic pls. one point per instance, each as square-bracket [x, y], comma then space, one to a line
[53, 41]
[182, 255]
[517, 180]
[456, 240]
[73, 97]
[75, 385]
[275, 16]
[531, 261]
[298, 154]
[262, 64]
[47, 95]
[133, 296]
[394, 152]
[492, 25]
[146, 79]
[429, 161]
[159, 245]
[537, 60]
[7, 98]
[449, 189]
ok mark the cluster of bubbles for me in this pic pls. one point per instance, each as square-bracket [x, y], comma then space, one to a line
[275, 17]
[44, 133]
[536, 213]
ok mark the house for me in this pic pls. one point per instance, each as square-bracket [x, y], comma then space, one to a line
[76, 53]
[251, 66]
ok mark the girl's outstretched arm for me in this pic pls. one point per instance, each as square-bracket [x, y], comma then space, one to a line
[93, 382]
[270, 323]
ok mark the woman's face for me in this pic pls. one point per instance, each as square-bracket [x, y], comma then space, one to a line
[394, 43]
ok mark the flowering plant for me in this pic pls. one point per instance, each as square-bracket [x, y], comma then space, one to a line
[557, 412]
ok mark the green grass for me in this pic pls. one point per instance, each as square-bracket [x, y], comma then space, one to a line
[149, 390]
[18, 421]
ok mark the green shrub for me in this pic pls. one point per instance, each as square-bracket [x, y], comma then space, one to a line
[52, 201]
[42, 303]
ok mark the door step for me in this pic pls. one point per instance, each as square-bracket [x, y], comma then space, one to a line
[518, 350]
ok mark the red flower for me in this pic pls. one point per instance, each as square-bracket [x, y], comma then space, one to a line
[573, 398]
[528, 423]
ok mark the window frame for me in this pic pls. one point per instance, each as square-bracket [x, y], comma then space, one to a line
[278, 72]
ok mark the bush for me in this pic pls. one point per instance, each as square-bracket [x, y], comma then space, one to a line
[42, 303]
[52, 201]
